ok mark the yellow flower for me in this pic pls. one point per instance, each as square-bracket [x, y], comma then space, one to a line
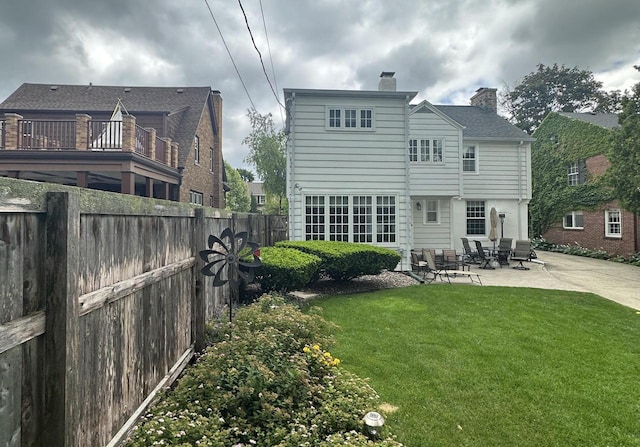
[327, 354]
[306, 349]
[316, 347]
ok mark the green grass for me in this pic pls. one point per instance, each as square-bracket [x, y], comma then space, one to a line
[492, 366]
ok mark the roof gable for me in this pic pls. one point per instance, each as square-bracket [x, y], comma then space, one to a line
[426, 107]
[483, 124]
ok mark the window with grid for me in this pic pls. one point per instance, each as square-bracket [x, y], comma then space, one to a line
[335, 119]
[339, 218]
[426, 150]
[573, 220]
[413, 150]
[314, 218]
[195, 197]
[469, 159]
[613, 223]
[386, 219]
[196, 149]
[431, 211]
[362, 219]
[350, 118]
[366, 118]
[476, 222]
[573, 174]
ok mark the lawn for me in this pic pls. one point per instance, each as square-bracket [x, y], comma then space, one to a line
[494, 366]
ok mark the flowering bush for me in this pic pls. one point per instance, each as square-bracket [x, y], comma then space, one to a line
[267, 381]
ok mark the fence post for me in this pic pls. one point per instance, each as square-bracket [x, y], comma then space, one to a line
[61, 337]
[198, 309]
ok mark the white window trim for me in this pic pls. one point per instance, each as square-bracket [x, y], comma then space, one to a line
[466, 219]
[419, 138]
[476, 159]
[573, 214]
[342, 127]
[374, 233]
[424, 210]
[196, 198]
[196, 149]
[573, 174]
[607, 222]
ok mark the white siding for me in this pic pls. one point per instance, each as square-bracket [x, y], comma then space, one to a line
[436, 178]
[431, 235]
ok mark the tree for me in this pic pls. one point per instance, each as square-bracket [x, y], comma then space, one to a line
[267, 153]
[246, 175]
[238, 198]
[555, 89]
[624, 172]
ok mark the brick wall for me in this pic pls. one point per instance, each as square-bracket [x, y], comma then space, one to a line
[592, 236]
[198, 177]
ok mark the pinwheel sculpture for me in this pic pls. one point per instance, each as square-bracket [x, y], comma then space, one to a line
[230, 261]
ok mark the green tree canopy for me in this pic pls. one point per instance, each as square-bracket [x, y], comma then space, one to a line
[246, 175]
[238, 198]
[624, 172]
[555, 89]
[268, 154]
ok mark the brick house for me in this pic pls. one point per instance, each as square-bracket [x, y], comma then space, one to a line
[587, 137]
[162, 142]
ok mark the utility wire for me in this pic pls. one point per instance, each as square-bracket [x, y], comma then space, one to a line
[230, 56]
[273, 70]
[246, 20]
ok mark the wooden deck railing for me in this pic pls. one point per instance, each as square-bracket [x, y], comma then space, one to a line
[85, 133]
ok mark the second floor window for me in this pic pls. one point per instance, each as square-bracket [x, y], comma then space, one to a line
[350, 118]
[469, 159]
[211, 159]
[425, 150]
[196, 149]
[575, 172]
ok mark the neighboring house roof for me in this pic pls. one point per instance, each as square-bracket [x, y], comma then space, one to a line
[606, 120]
[483, 124]
[255, 188]
[183, 105]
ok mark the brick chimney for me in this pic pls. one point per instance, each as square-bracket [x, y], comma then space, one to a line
[387, 81]
[485, 98]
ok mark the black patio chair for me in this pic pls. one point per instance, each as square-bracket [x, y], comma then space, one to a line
[483, 256]
[504, 250]
[469, 255]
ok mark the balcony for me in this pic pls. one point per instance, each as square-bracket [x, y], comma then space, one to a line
[113, 155]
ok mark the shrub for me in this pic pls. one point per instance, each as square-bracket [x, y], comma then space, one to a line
[347, 260]
[542, 244]
[267, 383]
[286, 269]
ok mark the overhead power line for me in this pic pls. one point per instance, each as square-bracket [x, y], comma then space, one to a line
[264, 70]
[230, 56]
[273, 70]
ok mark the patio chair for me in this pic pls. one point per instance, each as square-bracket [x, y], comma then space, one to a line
[417, 265]
[469, 255]
[521, 253]
[445, 272]
[483, 256]
[504, 250]
[450, 259]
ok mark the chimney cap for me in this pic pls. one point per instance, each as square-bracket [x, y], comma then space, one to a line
[387, 74]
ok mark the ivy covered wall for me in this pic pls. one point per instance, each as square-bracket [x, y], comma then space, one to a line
[561, 140]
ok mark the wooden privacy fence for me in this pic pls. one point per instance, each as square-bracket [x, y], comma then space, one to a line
[101, 304]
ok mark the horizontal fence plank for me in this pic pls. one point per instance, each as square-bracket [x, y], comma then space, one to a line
[98, 298]
[21, 330]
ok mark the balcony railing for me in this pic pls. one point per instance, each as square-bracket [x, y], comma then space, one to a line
[49, 135]
[85, 134]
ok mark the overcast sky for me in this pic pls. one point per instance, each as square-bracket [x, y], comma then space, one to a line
[444, 49]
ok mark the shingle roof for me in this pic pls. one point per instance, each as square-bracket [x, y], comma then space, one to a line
[189, 101]
[606, 120]
[255, 188]
[482, 123]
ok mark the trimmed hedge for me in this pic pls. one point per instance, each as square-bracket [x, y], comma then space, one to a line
[286, 269]
[347, 260]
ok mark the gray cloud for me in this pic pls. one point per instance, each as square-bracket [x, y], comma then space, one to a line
[444, 49]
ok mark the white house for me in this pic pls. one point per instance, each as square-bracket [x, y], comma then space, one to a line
[368, 166]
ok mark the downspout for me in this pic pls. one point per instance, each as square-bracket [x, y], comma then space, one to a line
[290, 165]
[407, 184]
[520, 190]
